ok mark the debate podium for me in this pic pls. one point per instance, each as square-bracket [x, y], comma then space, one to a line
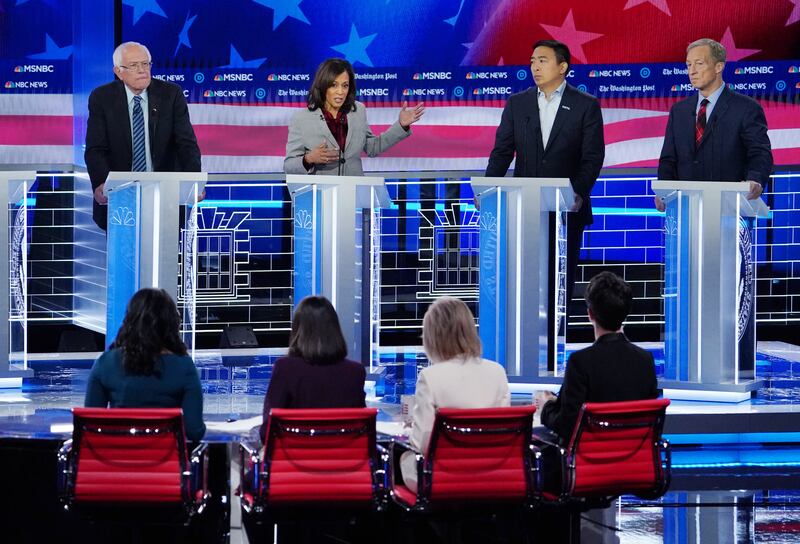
[518, 255]
[337, 251]
[143, 241]
[709, 290]
[14, 186]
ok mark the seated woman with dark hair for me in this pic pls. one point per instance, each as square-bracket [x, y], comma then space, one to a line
[148, 366]
[457, 378]
[315, 373]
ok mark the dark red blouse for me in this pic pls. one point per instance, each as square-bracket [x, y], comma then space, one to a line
[337, 126]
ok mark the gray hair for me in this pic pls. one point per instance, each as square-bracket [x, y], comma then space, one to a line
[716, 48]
[117, 56]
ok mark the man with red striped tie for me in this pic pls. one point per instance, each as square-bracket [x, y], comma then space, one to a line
[717, 134]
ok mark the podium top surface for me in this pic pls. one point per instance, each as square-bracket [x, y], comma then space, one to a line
[749, 208]
[17, 175]
[519, 182]
[297, 181]
[668, 186]
[157, 176]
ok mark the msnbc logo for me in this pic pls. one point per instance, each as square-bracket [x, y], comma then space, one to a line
[794, 69]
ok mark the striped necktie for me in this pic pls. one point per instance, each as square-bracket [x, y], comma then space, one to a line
[139, 156]
[700, 124]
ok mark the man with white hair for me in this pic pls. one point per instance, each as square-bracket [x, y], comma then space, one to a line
[137, 124]
[716, 134]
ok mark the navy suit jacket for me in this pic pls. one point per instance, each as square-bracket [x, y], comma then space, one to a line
[297, 383]
[173, 145]
[735, 145]
[610, 370]
[575, 149]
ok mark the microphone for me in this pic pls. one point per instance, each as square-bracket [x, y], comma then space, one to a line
[154, 117]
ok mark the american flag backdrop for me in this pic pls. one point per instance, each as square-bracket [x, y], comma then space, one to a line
[246, 64]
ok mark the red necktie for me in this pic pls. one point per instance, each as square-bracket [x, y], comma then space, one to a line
[700, 123]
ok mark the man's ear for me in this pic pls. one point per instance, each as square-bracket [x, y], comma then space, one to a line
[564, 67]
[591, 314]
[719, 67]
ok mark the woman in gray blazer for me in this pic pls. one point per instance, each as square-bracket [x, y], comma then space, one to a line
[329, 135]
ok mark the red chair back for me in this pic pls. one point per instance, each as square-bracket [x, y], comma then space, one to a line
[479, 454]
[320, 456]
[615, 449]
[129, 455]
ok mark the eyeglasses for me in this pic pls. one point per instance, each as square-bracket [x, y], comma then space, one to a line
[136, 66]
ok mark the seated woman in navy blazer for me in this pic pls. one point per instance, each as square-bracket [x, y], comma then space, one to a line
[315, 373]
[457, 378]
[148, 366]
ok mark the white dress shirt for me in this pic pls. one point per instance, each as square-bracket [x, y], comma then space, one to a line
[145, 114]
[548, 108]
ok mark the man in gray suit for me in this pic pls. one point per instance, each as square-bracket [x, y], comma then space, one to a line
[329, 135]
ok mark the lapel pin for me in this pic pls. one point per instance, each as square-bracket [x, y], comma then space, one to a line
[565, 107]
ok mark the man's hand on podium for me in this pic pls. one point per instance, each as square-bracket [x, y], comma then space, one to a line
[99, 196]
[755, 190]
[576, 206]
[660, 204]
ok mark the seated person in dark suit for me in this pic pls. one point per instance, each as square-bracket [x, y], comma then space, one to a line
[315, 373]
[148, 366]
[610, 370]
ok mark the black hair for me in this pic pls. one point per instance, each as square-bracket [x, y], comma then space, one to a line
[609, 297]
[316, 333]
[560, 49]
[327, 72]
[151, 326]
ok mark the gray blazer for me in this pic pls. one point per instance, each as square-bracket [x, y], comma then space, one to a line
[308, 129]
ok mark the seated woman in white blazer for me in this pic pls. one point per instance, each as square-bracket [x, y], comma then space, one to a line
[457, 378]
[329, 135]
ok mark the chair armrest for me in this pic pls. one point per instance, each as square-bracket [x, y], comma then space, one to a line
[65, 473]
[403, 446]
[250, 466]
[198, 466]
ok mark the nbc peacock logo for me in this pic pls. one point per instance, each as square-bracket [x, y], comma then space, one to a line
[272, 77]
[417, 76]
[738, 71]
[477, 91]
[470, 75]
[593, 73]
[18, 69]
[218, 77]
[209, 94]
[406, 92]
[10, 85]
[794, 69]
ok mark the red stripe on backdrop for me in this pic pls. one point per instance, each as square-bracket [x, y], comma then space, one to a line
[236, 140]
[782, 115]
[35, 130]
[426, 141]
[786, 156]
[645, 127]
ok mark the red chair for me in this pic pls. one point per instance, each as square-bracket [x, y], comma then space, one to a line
[616, 449]
[475, 456]
[314, 458]
[132, 457]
